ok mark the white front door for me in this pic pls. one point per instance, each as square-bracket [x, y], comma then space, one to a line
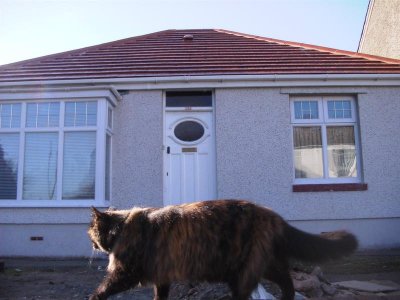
[189, 157]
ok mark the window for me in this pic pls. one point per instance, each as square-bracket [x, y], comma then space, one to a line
[40, 166]
[108, 143]
[10, 115]
[108, 168]
[325, 140]
[80, 114]
[79, 162]
[189, 131]
[45, 114]
[50, 152]
[9, 145]
[189, 99]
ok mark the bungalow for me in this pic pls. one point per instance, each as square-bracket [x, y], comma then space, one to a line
[184, 115]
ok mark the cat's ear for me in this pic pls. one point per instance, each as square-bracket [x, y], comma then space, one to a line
[96, 213]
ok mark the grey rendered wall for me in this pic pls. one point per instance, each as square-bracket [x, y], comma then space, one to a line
[137, 150]
[64, 232]
[58, 240]
[254, 158]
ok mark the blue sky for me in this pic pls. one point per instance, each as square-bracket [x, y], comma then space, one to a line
[32, 28]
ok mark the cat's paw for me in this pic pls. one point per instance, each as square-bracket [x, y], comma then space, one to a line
[95, 297]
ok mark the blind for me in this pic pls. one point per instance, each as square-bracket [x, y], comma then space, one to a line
[79, 165]
[9, 144]
[40, 166]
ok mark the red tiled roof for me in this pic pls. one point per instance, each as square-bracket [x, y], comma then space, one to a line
[211, 52]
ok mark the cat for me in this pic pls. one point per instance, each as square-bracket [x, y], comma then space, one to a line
[231, 241]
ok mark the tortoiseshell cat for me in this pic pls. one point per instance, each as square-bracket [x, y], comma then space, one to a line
[230, 241]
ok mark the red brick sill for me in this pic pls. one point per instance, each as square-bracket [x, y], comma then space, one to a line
[335, 187]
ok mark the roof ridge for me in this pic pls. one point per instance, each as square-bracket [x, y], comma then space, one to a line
[22, 62]
[313, 47]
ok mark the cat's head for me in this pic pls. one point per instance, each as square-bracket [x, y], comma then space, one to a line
[103, 229]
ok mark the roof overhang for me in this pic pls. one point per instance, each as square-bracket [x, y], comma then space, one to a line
[65, 91]
[202, 82]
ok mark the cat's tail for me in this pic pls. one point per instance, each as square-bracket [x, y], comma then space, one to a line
[319, 247]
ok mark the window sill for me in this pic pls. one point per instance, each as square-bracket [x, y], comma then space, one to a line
[335, 187]
[53, 204]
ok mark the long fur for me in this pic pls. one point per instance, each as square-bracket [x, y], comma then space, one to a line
[230, 241]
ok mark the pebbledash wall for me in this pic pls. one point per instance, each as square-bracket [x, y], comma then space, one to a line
[254, 162]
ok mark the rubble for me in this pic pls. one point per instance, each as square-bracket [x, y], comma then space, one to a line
[315, 286]
[365, 286]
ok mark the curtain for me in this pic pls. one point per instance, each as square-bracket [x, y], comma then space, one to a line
[341, 151]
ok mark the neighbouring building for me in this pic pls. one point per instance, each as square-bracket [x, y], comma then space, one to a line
[381, 31]
[184, 115]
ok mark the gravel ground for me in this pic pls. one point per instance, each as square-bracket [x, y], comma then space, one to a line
[75, 279]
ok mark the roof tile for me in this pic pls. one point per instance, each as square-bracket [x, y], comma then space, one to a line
[211, 52]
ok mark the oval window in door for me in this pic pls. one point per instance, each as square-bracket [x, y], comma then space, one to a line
[189, 131]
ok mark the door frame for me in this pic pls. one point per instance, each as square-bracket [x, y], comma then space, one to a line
[186, 109]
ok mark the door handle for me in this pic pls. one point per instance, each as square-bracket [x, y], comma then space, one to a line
[168, 150]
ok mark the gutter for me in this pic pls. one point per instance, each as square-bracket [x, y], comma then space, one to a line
[219, 81]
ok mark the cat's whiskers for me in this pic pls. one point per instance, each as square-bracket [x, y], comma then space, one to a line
[95, 253]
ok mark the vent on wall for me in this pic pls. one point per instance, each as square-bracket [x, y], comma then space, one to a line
[36, 238]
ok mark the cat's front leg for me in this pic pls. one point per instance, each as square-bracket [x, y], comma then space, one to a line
[115, 282]
[161, 291]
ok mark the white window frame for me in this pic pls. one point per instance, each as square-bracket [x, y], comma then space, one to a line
[109, 132]
[101, 130]
[324, 121]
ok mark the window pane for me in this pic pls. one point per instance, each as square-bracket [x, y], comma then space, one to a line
[339, 109]
[5, 115]
[16, 115]
[297, 110]
[54, 114]
[40, 166]
[308, 152]
[69, 114]
[189, 99]
[79, 165]
[43, 114]
[80, 114]
[314, 110]
[31, 111]
[189, 131]
[10, 115]
[306, 110]
[341, 151]
[108, 167]
[91, 114]
[80, 117]
[9, 145]
[110, 118]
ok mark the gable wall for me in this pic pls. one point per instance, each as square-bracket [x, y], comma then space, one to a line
[381, 32]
